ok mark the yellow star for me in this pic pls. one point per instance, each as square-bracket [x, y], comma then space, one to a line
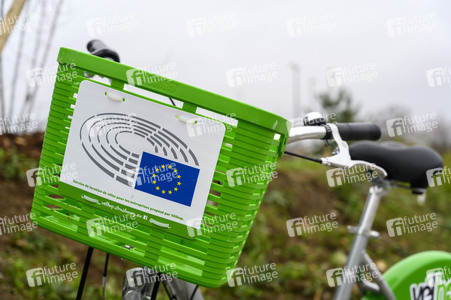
[178, 176]
[176, 189]
[158, 188]
[157, 169]
[175, 170]
[162, 166]
[169, 167]
[154, 182]
[163, 191]
[154, 175]
[178, 183]
[170, 192]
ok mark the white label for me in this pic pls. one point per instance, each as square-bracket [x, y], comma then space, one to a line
[141, 154]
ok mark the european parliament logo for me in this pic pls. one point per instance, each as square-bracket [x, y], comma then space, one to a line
[167, 179]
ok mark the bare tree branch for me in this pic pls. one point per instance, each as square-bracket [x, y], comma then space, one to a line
[47, 49]
[2, 94]
[17, 67]
[34, 61]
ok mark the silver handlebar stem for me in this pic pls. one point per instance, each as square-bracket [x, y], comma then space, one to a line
[306, 133]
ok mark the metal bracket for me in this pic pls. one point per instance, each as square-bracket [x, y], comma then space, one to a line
[368, 233]
[383, 286]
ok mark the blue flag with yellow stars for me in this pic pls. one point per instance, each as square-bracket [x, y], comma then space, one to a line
[167, 179]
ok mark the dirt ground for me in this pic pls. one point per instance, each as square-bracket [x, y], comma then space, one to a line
[29, 144]
[16, 198]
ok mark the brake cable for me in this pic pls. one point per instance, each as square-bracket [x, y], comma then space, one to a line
[304, 157]
[194, 292]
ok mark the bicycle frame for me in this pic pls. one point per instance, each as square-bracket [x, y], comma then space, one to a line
[358, 256]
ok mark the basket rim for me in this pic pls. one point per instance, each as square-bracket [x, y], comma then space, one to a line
[184, 92]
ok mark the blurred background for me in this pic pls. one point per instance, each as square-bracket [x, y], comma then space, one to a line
[352, 61]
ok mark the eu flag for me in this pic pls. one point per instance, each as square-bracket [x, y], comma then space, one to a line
[167, 179]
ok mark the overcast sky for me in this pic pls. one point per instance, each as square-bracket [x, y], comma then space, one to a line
[202, 43]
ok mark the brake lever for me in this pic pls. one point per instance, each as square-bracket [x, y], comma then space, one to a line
[343, 159]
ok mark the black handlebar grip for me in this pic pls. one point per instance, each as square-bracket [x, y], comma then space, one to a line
[357, 131]
[99, 48]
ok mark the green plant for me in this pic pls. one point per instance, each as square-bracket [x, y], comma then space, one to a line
[13, 164]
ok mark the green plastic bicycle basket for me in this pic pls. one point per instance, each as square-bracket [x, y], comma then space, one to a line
[257, 138]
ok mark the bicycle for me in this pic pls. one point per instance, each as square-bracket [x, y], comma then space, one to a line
[414, 268]
[421, 274]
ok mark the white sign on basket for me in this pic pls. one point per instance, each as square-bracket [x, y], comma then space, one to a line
[140, 154]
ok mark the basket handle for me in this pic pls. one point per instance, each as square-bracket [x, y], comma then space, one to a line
[159, 223]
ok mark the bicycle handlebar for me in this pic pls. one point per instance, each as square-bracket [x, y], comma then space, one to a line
[348, 132]
[99, 48]
[357, 131]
